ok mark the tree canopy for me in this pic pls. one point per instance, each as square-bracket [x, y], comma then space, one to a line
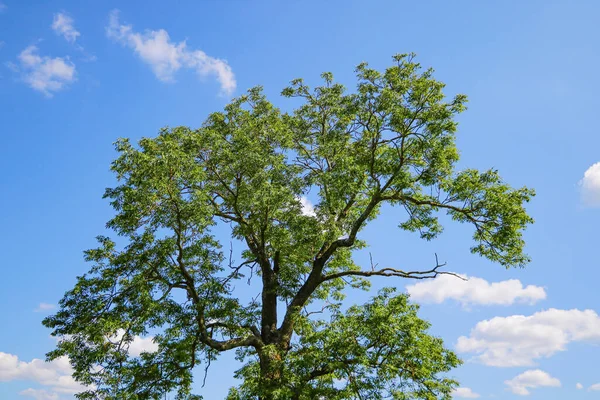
[248, 169]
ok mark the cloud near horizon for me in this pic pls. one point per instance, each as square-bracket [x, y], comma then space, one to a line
[56, 375]
[39, 394]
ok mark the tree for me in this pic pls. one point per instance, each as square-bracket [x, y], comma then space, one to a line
[246, 170]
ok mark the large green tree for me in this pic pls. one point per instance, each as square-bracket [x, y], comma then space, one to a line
[247, 170]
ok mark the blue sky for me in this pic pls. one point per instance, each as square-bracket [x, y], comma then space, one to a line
[75, 76]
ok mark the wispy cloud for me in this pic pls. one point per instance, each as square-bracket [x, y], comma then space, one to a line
[3, 7]
[44, 74]
[465, 393]
[165, 57]
[62, 25]
[45, 307]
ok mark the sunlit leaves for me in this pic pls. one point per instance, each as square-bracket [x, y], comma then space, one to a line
[242, 177]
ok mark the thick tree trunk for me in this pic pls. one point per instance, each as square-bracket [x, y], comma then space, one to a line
[269, 306]
[271, 371]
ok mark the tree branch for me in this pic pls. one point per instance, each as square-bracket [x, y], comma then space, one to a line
[315, 276]
[437, 204]
[219, 345]
[429, 274]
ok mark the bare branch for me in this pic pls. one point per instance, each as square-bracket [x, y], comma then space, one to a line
[428, 274]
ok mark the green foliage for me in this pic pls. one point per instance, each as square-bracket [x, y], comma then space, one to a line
[379, 350]
[247, 168]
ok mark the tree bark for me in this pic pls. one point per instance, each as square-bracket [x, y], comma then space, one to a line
[271, 370]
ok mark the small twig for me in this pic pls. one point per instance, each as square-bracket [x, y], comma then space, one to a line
[372, 266]
[206, 371]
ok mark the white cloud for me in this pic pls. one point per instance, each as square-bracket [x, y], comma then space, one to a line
[595, 387]
[590, 186]
[465, 393]
[138, 345]
[142, 345]
[519, 340]
[45, 74]
[54, 374]
[39, 394]
[45, 307]
[579, 386]
[166, 57]
[521, 384]
[475, 291]
[62, 24]
[307, 207]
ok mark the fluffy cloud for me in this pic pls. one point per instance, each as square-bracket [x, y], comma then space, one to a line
[307, 207]
[578, 386]
[137, 346]
[521, 384]
[590, 186]
[519, 340]
[142, 345]
[465, 393]
[62, 24]
[45, 307]
[55, 374]
[475, 291]
[166, 57]
[595, 387]
[45, 74]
